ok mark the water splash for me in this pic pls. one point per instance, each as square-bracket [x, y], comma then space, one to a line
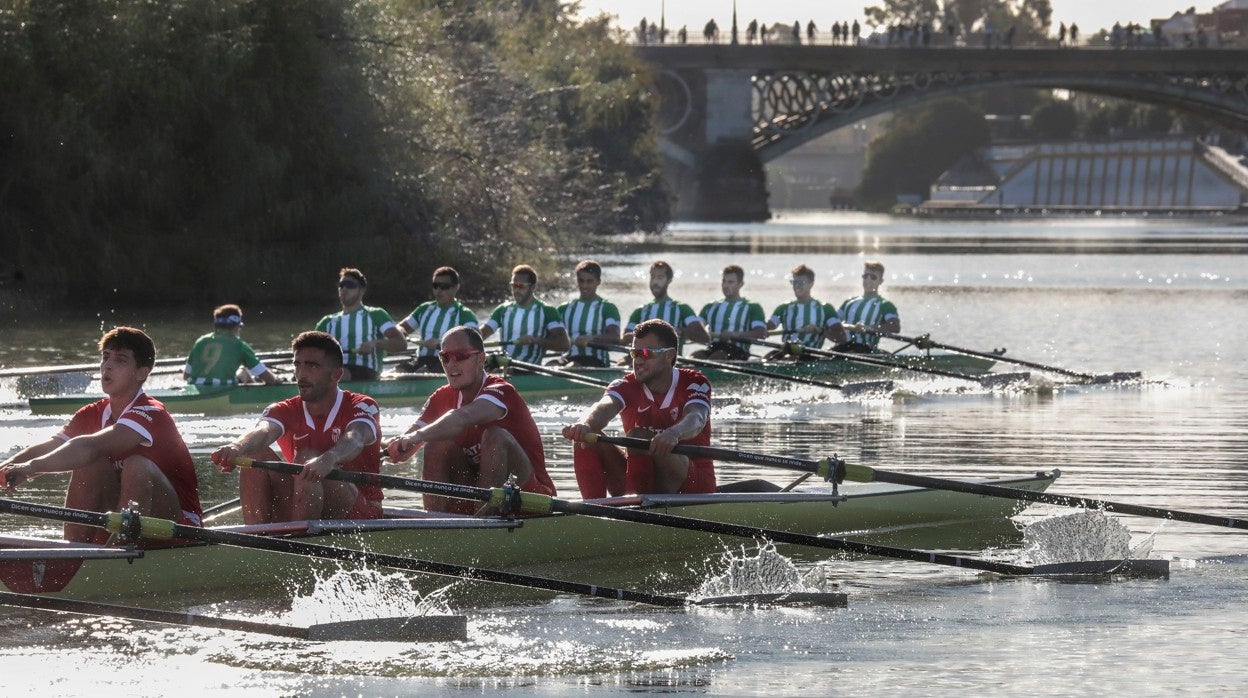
[762, 570]
[356, 594]
[1083, 536]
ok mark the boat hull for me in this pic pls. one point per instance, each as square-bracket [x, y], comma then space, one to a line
[576, 548]
[412, 390]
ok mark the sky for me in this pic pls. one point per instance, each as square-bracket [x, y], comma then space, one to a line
[1090, 15]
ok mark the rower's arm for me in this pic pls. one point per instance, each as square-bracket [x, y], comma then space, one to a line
[597, 419]
[691, 423]
[557, 341]
[891, 325]
[32, 451]
[358, 435]
[453, 423]
[394, 341]
[836, 333]
[696, 332]
[85, 450]
[265, 433]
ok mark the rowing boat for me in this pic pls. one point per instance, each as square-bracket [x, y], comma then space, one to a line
[579, 548]
[411, 390]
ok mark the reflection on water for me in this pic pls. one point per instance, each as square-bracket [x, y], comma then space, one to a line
[1176, 441]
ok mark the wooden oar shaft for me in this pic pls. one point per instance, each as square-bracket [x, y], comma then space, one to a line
[669, 520]
[160, 529]
[870, 360]
[925, 342]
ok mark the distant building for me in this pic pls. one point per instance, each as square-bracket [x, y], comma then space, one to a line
[1156, 175]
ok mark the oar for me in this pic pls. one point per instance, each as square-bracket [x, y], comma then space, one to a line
[847, 388]
[988, 381]
[77, 368]
[222, 509]
[925, 342]
[135, 525]
[413, 629]
[531, 503]
[504, 361]
[838, 470]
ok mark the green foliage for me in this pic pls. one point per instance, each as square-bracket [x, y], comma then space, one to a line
[208, 150]
[1054, 120]
[921, 143]
[1030, 18]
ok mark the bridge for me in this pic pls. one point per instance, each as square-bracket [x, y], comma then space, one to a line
[727, 109]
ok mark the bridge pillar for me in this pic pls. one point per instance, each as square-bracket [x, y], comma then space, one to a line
[710, 162]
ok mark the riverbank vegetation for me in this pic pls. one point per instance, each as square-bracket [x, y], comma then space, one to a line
[202, 151]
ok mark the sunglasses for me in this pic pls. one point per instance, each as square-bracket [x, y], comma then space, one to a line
[439, 286]
[648, 353]
[348, 283]
[870, 276]
[457, 356]
[519, 287]
[799, 281]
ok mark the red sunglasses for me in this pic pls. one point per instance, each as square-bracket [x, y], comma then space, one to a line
[457, 356]
[648, 353]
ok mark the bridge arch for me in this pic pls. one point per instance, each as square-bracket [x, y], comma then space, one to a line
[744, 105]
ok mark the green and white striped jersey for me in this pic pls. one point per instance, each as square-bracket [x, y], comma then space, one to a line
[513, 321]
[866, 311]
[591, 318]
[431, 321]
[797, 314]
[364, 324]
[673, 312]
[733, 316]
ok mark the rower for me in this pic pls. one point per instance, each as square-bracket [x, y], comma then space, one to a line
[681, 317]
[323, 427]
[478, 429]
[589, 320]
[365, 332]
[431, 319]
[659, 402]
[732, 320]
[806, 321]
[122, 452]
[221, 357]
[526, 327]
[870, 311]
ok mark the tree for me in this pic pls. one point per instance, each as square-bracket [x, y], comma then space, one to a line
[1055, 120]
[1030, 18]
[920, 144]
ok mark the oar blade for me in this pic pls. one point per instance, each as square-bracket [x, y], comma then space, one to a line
[1144, 569]
[1116, 377]
[867, 388]
[1004, 380]
[826, 599]
[398, 629]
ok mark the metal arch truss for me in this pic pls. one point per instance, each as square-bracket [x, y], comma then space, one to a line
[794, 104]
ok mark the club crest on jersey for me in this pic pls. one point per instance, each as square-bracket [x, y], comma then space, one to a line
[335, 434]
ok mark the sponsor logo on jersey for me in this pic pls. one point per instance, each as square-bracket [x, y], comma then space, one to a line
[704, 388]
[365, 408]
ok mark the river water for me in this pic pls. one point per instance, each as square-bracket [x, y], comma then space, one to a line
[1086, 294]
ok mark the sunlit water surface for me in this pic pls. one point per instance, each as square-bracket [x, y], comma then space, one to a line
[1175, 441]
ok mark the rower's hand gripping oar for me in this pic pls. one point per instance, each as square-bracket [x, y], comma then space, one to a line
[511, 500]
[925, 341]
[838, 470]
